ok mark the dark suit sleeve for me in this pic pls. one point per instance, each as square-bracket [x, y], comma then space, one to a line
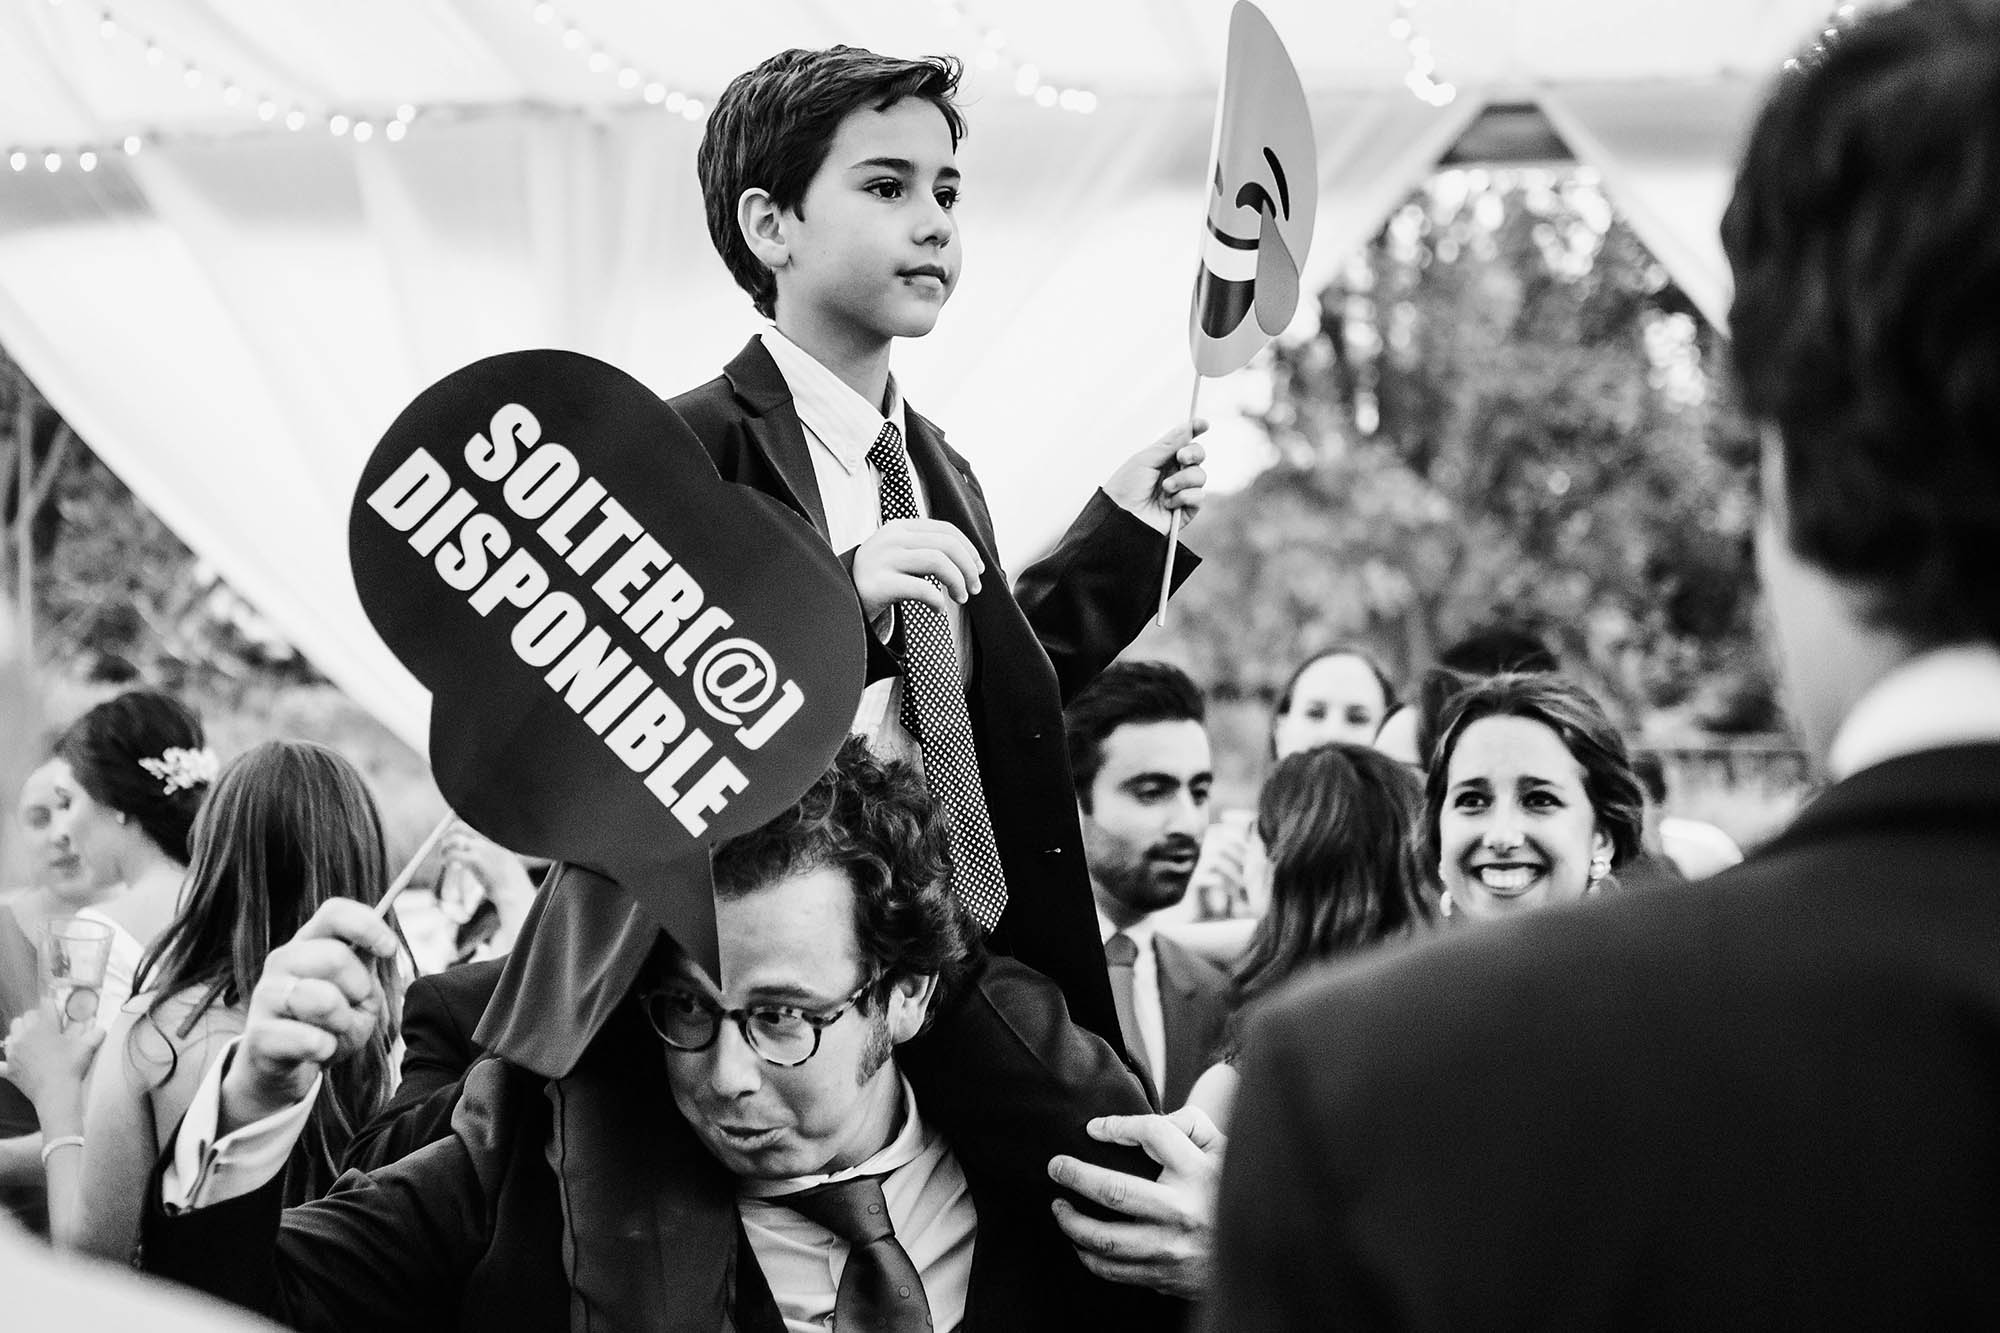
[1008, 1028]
[439, 1015]
[389, 1251]
[1090, 596]
[1011, 1082]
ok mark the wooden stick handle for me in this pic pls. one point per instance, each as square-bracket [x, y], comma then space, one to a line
[1174, 525]
[402, 880]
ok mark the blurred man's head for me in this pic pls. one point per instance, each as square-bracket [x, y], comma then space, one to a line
[1138, 749]
[1866, 334]
[835, 924]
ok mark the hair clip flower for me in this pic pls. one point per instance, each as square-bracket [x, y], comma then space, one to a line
[178, 768]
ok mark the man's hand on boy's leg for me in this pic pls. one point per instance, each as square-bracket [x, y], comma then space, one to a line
[1163, 1237]
[898, 563]
[1164, 476]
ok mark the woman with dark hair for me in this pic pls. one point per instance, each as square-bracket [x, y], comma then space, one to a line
[1531, 798]
[1341, 822]
[1338, 694]
[288, 826]
[1341, 694]
[129, 776]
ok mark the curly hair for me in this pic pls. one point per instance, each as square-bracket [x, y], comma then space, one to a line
[1579, 722]
[873, 820]
[288, 825]
[1866, 320]
[771, 129]
[104, 748]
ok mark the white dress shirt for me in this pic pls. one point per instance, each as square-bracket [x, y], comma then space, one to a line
[840, 427]
[1948, 696]
[208, 1170]
[1145, 993]
[929, 1202]
[929, 1205]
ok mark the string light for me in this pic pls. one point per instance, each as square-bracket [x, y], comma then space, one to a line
[995, 56]
[632, 80]
[115, 30]
[1421, 76]
[599, 57]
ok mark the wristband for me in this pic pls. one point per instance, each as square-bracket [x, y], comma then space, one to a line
[60, 1141]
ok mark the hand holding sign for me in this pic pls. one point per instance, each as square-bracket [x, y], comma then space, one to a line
[629, 658]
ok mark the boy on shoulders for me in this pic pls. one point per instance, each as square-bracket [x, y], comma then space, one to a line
[831, 185]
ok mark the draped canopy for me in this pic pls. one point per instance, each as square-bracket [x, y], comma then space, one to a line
[232, 314]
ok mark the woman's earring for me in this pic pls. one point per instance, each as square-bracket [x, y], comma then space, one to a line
[121, 816]
[1444, 903]
[1600, 866]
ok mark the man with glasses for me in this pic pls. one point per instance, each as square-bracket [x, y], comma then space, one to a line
[769, 1099]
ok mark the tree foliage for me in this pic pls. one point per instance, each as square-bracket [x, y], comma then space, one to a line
[1507, 413]
[116, 595]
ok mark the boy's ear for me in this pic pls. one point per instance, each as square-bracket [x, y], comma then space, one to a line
[762, 223]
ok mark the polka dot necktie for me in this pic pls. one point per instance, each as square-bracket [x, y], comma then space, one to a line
[880, 1287]
[934, 712]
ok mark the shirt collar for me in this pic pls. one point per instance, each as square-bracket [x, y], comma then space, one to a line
[1948, 696]
[1139, 932]
[909, 1144]
[838, 417]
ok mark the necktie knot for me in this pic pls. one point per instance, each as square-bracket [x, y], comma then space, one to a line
[880, 1289]
[854, 1210]
[887, 451]
[1121, 950]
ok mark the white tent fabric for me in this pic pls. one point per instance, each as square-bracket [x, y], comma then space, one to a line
[1667, 153]
[233, 316]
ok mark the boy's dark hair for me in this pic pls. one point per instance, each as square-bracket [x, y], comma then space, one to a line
[1866, 323]
[872, 820]
[1123, 694]
[771, 129]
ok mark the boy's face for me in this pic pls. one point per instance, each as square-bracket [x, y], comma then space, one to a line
[872, 252]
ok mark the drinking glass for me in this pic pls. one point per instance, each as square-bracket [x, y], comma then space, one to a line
[74, 952]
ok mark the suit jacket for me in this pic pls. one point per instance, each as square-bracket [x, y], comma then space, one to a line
[1033, 649]
[1768, 1099]
[440, 1012]
[585, 1201]
[1194, 1002]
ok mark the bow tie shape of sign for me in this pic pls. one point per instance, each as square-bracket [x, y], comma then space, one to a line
[630, 659]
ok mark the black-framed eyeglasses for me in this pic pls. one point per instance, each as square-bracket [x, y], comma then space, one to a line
[781, 1034]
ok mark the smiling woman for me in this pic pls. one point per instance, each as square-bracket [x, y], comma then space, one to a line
[1531, 798]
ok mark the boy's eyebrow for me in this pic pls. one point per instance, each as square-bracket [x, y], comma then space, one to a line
[901, 165]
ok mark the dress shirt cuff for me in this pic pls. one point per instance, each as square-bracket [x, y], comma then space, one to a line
[206, 1170]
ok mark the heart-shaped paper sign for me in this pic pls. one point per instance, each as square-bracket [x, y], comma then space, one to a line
[629, 658]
